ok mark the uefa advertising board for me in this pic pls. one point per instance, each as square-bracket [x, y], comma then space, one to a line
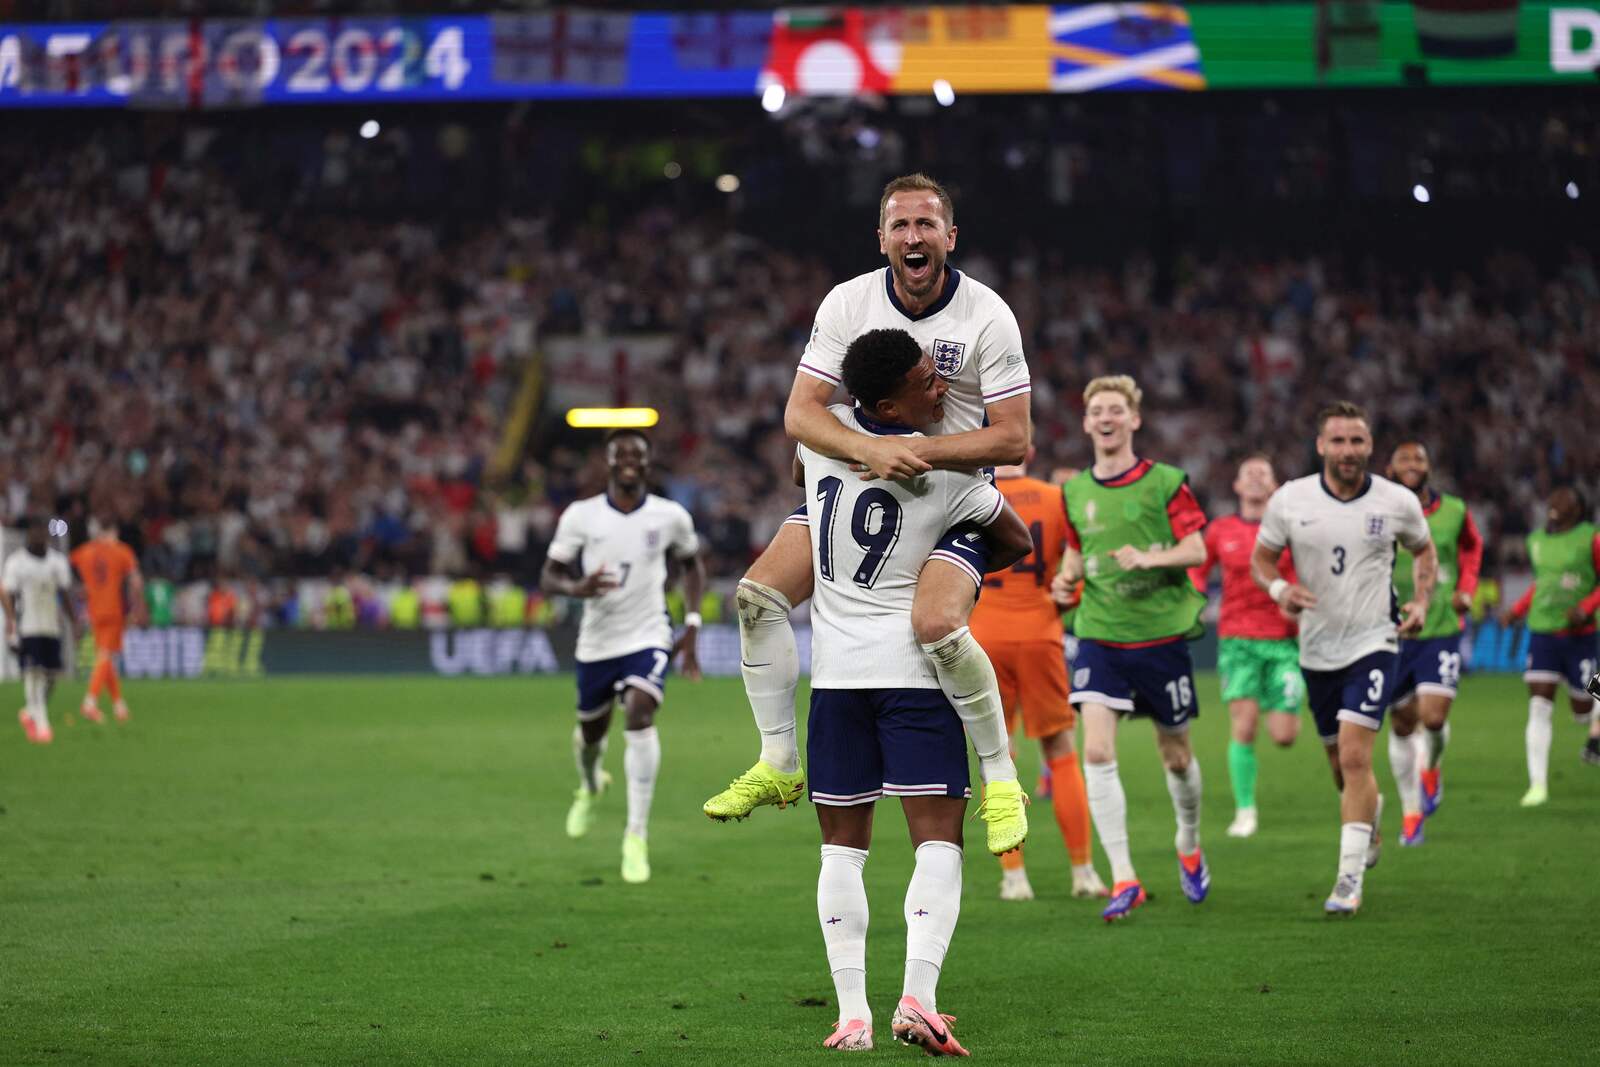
[575, 53]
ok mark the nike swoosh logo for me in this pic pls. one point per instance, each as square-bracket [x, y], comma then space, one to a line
[970, 695]
[934, 1030]
[742, 663]
[1369, 707]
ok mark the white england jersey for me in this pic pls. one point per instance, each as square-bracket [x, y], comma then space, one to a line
[869, 541]
[1344, 553]
[970, 334]
[633, 546]
[37, 582]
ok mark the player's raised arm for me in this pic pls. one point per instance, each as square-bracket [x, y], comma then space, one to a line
[1003, 441]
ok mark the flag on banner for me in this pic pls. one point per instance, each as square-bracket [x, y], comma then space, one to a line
[569, 46]
[1128, 46]
[834, 52]
[735, 39]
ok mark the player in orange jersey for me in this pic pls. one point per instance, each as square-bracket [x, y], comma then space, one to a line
[1019, 626]
[111, 581]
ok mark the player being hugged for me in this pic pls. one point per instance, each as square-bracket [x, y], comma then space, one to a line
[976, 348]
[1343, 525]
[1430, 662]
[616, 551]
[1560, 608]
[37, 577]
[880, 724]
[1257, 654]
[1133, 531]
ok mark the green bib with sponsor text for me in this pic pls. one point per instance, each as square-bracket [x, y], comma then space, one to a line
[1563, 574]
[1444, 525]
[1121, 605]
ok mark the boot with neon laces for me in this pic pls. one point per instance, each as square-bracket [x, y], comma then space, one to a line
[929, 1031]
[761, 784]
[91, 711]
[635, 859]
[1005, 810]
[852, 1036]
[580, 817]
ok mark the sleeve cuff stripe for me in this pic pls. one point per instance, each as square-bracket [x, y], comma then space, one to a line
[1012, 390]
[818, 372]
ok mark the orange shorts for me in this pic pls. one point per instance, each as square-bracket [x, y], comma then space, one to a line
[1033, 680]
[107, 634]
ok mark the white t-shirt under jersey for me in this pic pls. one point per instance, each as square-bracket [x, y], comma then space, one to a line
[37, 582]
[1344, 552]
[869, 541]
[970, 334]
[633, 546]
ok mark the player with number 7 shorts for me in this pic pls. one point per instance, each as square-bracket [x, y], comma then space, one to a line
[1343, 526]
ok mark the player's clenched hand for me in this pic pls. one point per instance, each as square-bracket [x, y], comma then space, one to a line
[1413, 614]
[1131, 559]
[892, 458]
[1064, 592]
[594, 583]
[1297, 598]
[1461, 602]
[689, 663]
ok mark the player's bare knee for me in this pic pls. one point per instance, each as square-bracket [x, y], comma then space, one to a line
[1057, 746]
[933, 622]
[1283, 736]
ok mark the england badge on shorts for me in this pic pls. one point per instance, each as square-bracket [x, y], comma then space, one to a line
[948, 357]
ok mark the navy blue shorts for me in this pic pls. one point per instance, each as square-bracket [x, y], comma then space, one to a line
[1358, 693]
[865, 743]
[602, 681]
[964, 545]
[39, 653]
[1432, 665]
[1557, 658]
[1156, 681]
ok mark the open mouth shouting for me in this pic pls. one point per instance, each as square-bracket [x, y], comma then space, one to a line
[917, 268]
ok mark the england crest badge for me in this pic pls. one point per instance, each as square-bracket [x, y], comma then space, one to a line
[948, 357]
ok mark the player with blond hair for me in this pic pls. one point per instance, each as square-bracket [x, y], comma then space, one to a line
[1133, 532]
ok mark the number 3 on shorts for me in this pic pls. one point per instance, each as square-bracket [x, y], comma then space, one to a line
[1376, 691]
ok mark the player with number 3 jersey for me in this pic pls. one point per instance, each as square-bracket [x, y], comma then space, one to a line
[1343, 525]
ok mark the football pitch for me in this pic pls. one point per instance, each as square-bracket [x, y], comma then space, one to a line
[376, 871]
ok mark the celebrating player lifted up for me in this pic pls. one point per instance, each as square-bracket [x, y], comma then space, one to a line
[976, 349]
[1137, 609]
[879, 725]
[613, 551]
[1342, 526]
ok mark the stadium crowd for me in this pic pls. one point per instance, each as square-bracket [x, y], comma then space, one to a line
[259, 395]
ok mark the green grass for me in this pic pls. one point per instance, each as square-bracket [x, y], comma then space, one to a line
[354, 871]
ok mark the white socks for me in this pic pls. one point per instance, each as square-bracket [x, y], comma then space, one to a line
[1437, 740]
[588, 759]
[1403, 758]
[1185, 791]
[933, 903]
[968, 680]
[640, 762]
[1540, 710]
[842, 911]
[35, 690]
[1354, 837]
[1108, 805]
[770, 663]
